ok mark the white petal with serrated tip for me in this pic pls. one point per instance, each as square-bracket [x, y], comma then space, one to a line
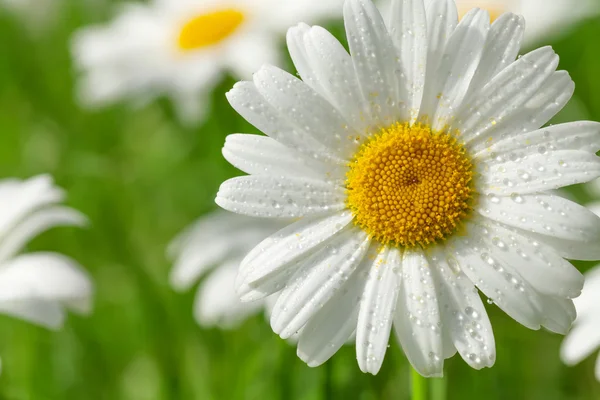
[463, 314]
[377, 309]
[326, 66]
[276, 254]
[333, 324]
[539, 265]
[310, 288]
[558, 313]
[500, 50]
[250, 104]
[542, 213]
[539, 109]
[486, 110]
[417, 319]
[473, 258]
[261, 155]
[279, 197]
[305, 109]
[539, 172]
[570, 249]
[581, 135]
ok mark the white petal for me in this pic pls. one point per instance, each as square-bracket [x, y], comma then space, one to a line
[333, 324]
[36, 223]
[266, 268]
[260, 155]
[213, 238]
[217, 303]
[588, 304]
[442, 18]
[516, 277]
[543, 213]
[463, 314]
[501, 48]
[580, 342]
[20, 198]
[326, 66]
[581, 135]
[538, 264]
[46, 313]
[457, 68]
[504, 96]
[250, 50]
[312, 286]
[250, 104]
[279, 197]
[539, 172]
[377, 310]
[473, 258]
[545, 104]
[375, 61]
[417, 319]
[45, 277]
[408, 29]
[558, 313]
[305, 109]
[572, 250]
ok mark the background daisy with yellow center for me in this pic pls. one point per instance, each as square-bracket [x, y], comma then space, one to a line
[418, 169]
[181, 48]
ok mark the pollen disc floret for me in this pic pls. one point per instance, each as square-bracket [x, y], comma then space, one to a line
[409, 186]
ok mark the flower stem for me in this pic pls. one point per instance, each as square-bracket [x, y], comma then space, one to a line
[418, 386]
[438, 389]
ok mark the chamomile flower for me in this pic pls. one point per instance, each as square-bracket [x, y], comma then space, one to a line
[417, 170]
[215, 246]
[38, 287]
[584, 339]
[180, 48]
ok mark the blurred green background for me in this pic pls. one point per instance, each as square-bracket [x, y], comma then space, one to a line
[141, 177]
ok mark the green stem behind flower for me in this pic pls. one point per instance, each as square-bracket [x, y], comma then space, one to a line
[438, 388]
[418, 386]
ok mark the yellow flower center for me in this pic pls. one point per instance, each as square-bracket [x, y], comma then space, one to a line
[409, 186]
[209, 29]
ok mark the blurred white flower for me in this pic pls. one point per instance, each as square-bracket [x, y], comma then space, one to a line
[217, 243]
[584, 339]
[38, 287]
[545, 19]
[180, 48]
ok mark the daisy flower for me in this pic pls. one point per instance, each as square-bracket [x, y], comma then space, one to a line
[417, 171]
[38, 287]
[215, 246]
[180, 48]
[585, 336]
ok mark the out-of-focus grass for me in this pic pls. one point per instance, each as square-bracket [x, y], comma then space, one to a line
[141, 177]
